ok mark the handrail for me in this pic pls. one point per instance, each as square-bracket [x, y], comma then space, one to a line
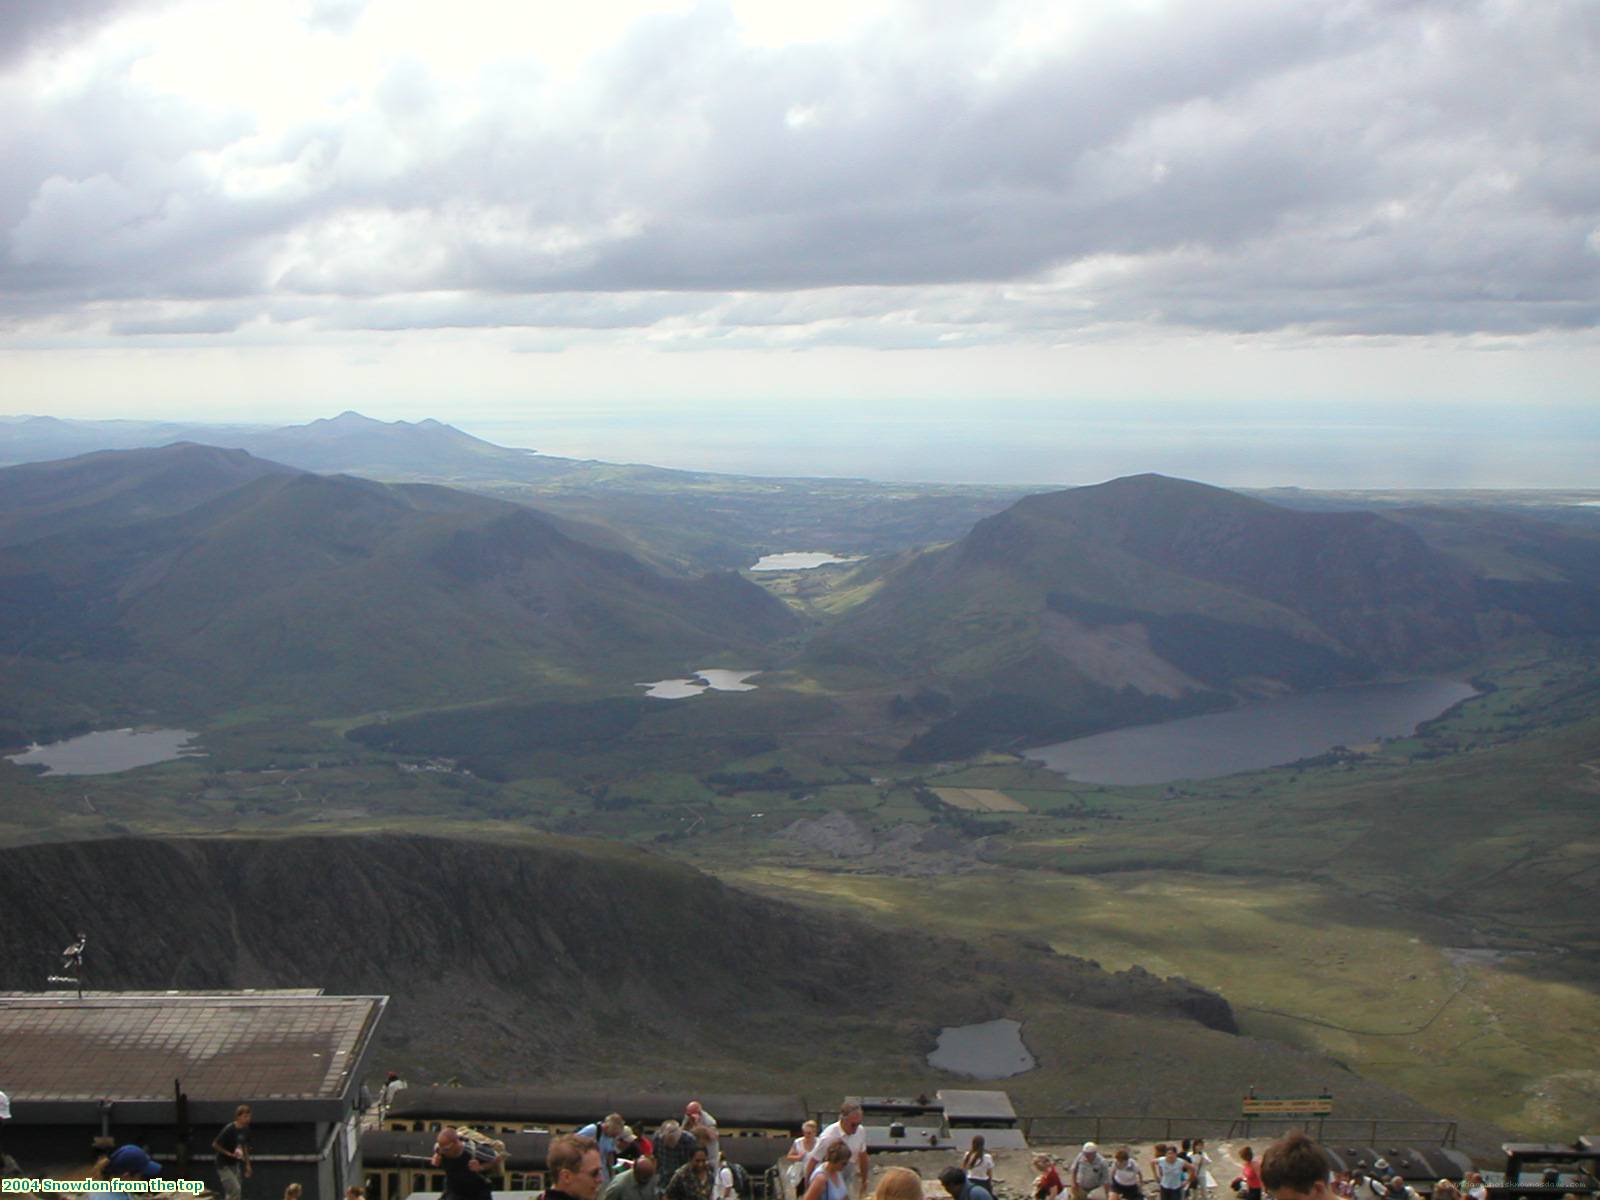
[1093, 1127]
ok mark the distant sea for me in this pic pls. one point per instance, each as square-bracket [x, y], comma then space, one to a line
[1370, 447]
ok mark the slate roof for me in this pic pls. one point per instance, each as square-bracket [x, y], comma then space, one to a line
[223, 1046]
[971, 1108]
[643, 1110]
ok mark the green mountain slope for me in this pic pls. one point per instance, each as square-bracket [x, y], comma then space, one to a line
[1146, 597]
[335, 594]
[118, 488]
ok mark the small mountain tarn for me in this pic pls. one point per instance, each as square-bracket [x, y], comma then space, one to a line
[987, 1050]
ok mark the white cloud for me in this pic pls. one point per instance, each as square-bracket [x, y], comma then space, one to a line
[817, 174]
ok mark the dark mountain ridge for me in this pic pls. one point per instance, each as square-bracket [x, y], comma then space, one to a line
[1150, 597]
[1367, 582]
[572, 961]
[335, 593]
[113, 487]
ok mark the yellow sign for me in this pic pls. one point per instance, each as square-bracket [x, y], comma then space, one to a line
[1316, 1106]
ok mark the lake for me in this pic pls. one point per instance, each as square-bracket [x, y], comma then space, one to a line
[1266, 734]
[992, 1050]
[707, 679]
[799, 560]
[109, 751]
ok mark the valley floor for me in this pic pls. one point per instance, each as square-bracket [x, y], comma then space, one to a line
[1424, 913]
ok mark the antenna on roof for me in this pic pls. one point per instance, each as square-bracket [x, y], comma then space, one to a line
[72, 959]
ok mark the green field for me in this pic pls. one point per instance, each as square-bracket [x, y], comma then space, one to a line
[1300, 963]
[1425, 913]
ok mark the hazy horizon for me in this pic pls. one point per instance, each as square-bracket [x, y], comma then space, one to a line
[1333, 244]
[1358, 447]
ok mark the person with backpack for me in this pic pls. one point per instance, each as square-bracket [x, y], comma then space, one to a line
[466, 1175]
[605, 1135]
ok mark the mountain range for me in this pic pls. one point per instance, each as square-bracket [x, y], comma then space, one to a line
[347, 442]
[676, 520]
[1147, 597]
[188, 579]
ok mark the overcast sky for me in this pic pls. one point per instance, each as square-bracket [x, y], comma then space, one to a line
[484, 210]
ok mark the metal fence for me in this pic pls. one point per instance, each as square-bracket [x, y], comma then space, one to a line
[1111, 1129]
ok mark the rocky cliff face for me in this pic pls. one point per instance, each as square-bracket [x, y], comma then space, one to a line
[505, 961]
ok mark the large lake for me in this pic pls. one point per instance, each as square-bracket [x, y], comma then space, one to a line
[109, 751]
[1267, 734]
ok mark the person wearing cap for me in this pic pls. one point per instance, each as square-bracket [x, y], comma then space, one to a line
[632, 1146]
[131, 1162]
[1089, 1172]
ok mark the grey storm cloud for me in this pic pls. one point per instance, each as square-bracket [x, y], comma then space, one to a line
[1341, 167]
[28, 26]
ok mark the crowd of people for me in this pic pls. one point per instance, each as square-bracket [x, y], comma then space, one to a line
[608, 1160]
[1175, 1172]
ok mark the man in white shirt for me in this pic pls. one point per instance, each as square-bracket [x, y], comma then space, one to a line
[846, 1129]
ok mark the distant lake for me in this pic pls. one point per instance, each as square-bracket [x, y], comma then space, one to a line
[708, 679]
[1267, 734]
[992, 1050]
[109, 751]
[799, 560]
